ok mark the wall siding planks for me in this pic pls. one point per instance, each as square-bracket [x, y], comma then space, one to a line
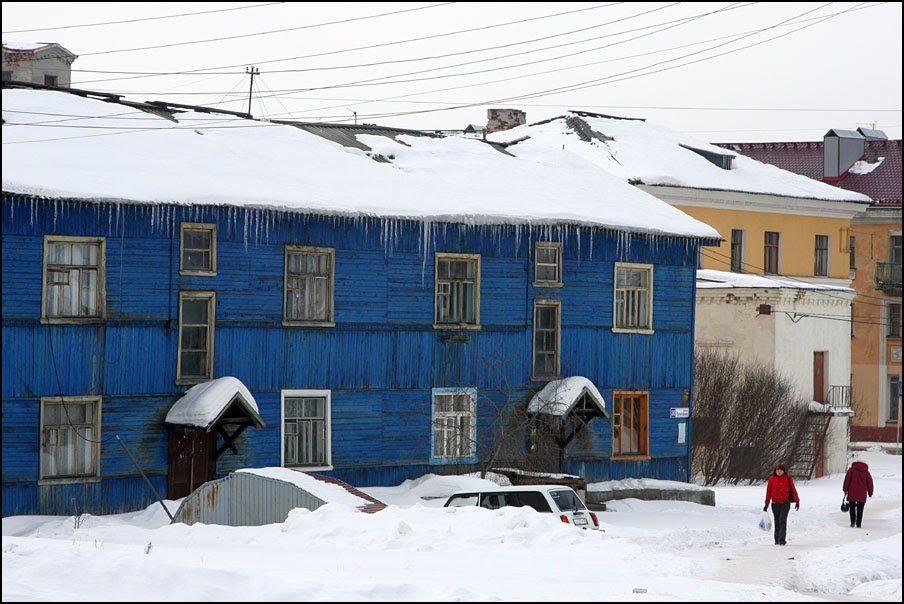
[380, 360]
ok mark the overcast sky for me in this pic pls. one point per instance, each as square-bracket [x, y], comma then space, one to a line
[720, 76]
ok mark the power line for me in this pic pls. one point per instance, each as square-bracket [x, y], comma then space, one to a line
[206, 12]
[384, 44]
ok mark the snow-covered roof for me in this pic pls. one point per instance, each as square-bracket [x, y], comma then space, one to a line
[325, 491]
[205, 403]
[32, 46]
[710, 279]
[558, 397]
[643, 153]
[110, 152]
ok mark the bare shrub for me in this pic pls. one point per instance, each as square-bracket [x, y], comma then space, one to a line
[746, 418]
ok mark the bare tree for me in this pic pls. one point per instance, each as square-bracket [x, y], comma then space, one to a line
[746, 418]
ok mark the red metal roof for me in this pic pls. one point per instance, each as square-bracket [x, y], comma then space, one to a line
[882, 185]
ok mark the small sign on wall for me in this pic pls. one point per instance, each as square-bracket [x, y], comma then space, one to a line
[679, 412]
[682, 433]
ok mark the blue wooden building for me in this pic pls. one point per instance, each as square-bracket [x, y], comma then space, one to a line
[378, 346]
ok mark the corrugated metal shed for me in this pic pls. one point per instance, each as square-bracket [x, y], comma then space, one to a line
[249, 499]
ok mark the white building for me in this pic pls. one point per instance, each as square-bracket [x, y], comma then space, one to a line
[44, 63]
[801, 329]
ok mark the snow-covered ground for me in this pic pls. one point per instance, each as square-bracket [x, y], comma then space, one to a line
[415, 550]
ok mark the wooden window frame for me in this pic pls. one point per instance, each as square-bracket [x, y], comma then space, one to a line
[821, 256]
[615, 301]
[95, 442]
[211, 298]
[776, 248]
[438, 257]
[212, 250]
[558, 331]
[471, 455]
[331, 311]
[892, 322]
[327, 426]
[101, 295]
[548, 245]
[618, 424]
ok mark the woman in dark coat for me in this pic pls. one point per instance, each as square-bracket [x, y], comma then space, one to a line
[858, 485]
[780, 490]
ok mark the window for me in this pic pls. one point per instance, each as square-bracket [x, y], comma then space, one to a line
[457, 290]
[7, 76]
[737, 251]
[547, 329]
[894, 320]
[853, 251]
[821, 256]
[73, 278]
[196, 324]
[454, 425]
[199, 249]
[633, 297]
[50, 80]
[547, 264]
[70, 437]
[771, 253]
[893, 397]
[309, 285]
[630, 423]
[306, 428]
[895, 249]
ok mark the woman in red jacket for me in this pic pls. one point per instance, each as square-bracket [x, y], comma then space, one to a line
[858, 484]
[780, 490]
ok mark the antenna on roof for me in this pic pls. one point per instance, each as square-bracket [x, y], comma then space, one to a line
[355, 113]
[253, 71]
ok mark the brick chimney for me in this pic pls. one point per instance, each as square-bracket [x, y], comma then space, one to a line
[504, 119]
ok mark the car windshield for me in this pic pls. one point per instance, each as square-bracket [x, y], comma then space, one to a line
[567, 500]
[462, 500]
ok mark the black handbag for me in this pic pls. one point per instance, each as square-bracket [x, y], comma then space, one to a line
[845, 506]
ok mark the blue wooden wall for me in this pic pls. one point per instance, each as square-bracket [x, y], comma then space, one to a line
[380, 361]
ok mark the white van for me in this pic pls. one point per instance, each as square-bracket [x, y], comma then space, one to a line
[550, 499]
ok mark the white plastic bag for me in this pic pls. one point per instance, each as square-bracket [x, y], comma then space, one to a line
[765, 522]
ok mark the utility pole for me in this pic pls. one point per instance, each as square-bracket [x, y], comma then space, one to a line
[253, 71]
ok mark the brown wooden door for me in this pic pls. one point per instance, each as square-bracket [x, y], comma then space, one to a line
[819, 383]
[191, 461]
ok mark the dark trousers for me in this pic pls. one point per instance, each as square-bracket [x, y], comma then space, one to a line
[780, 512]
[856, 511]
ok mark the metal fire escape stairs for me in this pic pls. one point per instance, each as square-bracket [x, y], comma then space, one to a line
[809, 445]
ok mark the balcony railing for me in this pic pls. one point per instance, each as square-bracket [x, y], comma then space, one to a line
[838, 397]
[888, 276]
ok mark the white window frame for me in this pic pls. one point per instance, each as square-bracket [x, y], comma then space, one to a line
[94, 441]
[549, 245]
[212, 250]
[100, 299]
[211, 298]
[615, 290]
[828, 256]
[558, 330]
[440, 256]
[330, 319]
[471, 455]
[327, 426]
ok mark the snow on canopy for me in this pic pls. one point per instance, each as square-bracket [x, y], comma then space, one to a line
[640, 152]
[105, 151]
[558, 397]
[710, 279]
[205, 403]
